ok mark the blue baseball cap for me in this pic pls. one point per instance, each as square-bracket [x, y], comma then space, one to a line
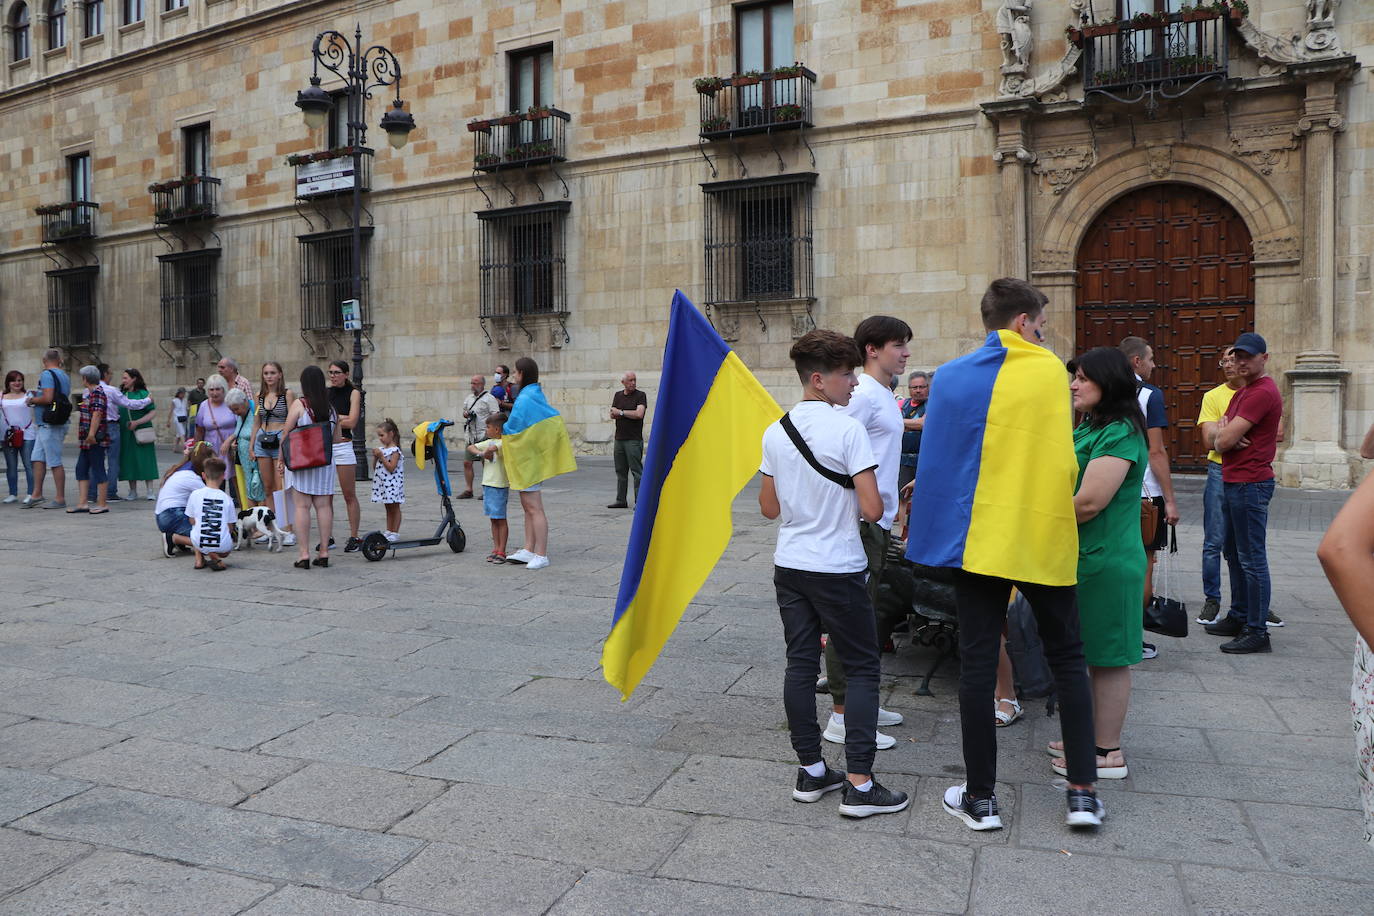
[1251, 343]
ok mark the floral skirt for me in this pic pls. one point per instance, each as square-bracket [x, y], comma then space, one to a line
[1362, 712]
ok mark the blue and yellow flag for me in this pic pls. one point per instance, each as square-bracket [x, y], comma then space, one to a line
[994, 487]
[534, 442]
[705, 445]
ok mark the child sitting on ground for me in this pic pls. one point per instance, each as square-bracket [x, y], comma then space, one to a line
[388, 477]
[495, 486]
[212, 514]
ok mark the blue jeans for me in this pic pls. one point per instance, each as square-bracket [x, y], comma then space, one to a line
[112, 459]
[1247, 515]
[174, 521]
[13, 457]
[1213, 532]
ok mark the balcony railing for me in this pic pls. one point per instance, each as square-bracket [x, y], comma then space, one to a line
[329, 173]
[1157, 51]
[185, 199]
[755, 102]
[520, 140]
[67, 222]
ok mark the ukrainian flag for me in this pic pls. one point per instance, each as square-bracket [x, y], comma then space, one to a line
[706, 444]
[534, 442]
[994, 487]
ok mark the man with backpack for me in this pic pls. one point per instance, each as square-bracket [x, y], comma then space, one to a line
[54, 408]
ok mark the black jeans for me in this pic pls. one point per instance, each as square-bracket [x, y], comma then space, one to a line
[875, 540]
[837, 603]
[982, 603]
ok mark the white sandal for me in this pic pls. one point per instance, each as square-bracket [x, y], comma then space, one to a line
[1006, 718]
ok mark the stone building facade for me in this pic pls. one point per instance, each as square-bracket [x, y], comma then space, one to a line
[1184, 176]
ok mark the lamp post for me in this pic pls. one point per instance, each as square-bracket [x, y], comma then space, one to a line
[362, 71]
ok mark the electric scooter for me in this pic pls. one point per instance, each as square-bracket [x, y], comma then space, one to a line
[375, 544]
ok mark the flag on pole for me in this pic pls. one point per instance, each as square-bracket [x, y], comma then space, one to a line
[705, 445]
[534, 443]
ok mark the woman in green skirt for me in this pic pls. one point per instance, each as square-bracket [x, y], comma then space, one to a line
[1112, 456]
[137, 460]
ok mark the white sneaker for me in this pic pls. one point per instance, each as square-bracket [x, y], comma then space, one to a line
[537, 562]
[151, 497]
[289, 540]
[834, 733]
[520, 556]
[888, 717]
[262, 539]
[391, 536]
[10, 499]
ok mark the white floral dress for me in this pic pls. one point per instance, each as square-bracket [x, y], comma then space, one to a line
[1362, 712]
[390, 486]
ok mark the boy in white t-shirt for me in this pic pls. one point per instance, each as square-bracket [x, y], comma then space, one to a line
[818, 476]
[212, 515]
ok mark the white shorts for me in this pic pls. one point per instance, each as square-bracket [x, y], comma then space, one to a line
[343, 453]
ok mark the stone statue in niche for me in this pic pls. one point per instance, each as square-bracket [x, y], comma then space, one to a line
[1321, 37]
[1322, 12]
[1014, 25]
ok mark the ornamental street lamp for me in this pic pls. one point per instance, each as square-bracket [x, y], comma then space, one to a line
[362, 71]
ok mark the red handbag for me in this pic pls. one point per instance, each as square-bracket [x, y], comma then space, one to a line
[308, 447]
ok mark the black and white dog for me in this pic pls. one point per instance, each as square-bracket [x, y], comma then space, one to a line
[256, 521]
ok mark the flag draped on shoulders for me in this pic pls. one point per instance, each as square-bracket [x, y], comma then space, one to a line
[705, 445]
[994, 487]
[534, 443]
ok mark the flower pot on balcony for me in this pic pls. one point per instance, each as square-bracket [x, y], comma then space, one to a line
[1075, 36]
[708, 85]
[715, 125]
[1093, 31]
[508, 120]
[786, 73]
[746, 79]
[786, 113]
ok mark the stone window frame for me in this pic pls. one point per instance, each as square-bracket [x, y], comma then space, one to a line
[21, 32]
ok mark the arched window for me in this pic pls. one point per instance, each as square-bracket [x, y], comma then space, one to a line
[57, 24]
[19, 31]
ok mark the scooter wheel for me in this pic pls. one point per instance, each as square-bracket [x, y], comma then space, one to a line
[457, 540]
[375, 546]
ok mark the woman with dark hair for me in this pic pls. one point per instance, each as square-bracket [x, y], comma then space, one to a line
[18, 426]
[535, 552]
[174, 492]
[501, 387]
[315, 486]
[1112, 456]
[137, 460]
[347, 402]
[274, 398]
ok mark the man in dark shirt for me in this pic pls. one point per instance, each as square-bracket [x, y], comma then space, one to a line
[197, 394]
[913, 420]
[627, 410]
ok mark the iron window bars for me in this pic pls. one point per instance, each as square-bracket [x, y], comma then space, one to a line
[759, 239]
[327, 278]
[523, 271]
[72, 307]
[189, 294]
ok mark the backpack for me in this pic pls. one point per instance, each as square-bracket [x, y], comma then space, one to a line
[60, 410]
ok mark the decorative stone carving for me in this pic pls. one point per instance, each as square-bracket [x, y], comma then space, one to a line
[1161, 160]
[1282, 248]
[1054, 259]
[1013, 24]
[1060, 165]
[1265, 145]
[1321, 27]
[1019, 154]
[1273, 50]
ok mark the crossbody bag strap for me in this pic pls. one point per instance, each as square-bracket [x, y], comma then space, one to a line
[836, 477]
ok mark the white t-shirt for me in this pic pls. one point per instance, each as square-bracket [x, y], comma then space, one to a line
[873, 405]
[1151, 401]
[19, 414]
[214, 513]
[176, 492]
[820, 518]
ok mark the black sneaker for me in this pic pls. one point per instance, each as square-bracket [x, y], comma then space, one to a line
[1085, 810]
[1149, 650]
[1274, 620]
[331, 546]
[1248, 643]
[1226, 626]
[877, 800]
[811, 788]
[353, 545]
[978, 813]
[114, 498]
[1211, 610]
[169, 546]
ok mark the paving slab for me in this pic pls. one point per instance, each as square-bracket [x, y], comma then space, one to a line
[37, 744]
[309, 901]
[25, 858]
[346, 796]
[480, 655]
[533, 719]
[601, 891]
[240, 841]
[23, 791]
[118, 884]
[715, 738]
[384, 744]
[564, 828]
[453, 879]
[263, 632]
[85, 701]
[257, 688]
[1223, 892]
[1317, 786]
[220, 723]
[236, 656]
[366, 643]
[1032, 882]
[1311, 840]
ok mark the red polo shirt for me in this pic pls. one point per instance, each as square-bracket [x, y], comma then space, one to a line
[1260, 403]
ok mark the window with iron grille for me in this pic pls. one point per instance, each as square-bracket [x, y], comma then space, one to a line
[190, 296]
[524, 261]
[71, 307]
[327, 278]
[758, 239]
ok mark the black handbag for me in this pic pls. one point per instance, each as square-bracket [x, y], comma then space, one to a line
[1164, 615]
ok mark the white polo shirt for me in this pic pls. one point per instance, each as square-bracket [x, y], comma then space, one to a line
[873, 405]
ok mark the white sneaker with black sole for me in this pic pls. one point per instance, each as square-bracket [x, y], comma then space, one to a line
[877, 800]
[1085, 809]
[977, 813]
[813, 788]
[835, 731]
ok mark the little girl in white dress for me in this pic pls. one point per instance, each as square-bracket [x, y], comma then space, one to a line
[388, 477]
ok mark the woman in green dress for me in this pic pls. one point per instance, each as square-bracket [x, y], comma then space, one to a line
[136, 460]
[1112, 456]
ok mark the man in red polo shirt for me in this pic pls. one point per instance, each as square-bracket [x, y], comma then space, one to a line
[1247, 437]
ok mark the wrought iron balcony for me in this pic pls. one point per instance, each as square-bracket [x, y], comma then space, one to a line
[520, 140]
[329, 173]
[1162, 55]
[755, 103]
[185, 199]
[69, 221]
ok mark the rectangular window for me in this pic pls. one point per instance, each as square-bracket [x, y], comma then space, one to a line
[327, 278]
[71, 307]
[195, 145]
[79, 177]
[763, 36]
[524, 262]
[170, 5]
[531, 84]
[189, 294]
[133, 11]
[759, 239]
[94, 15]
[336, 128]
[57, 24]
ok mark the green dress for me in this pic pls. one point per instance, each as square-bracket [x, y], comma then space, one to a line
[136, 461]
[1111, 553]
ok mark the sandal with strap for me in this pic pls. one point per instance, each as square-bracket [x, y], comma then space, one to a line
[1006, 718]
[1061, 766]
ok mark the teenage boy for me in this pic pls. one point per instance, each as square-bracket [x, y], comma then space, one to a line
[211, 513]
[882, 341]
[818, 476]
[495, 485]
[995, 488]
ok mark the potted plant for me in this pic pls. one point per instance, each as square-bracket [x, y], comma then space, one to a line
[514, 117]
[1144, 20]
[538, 112]
[486, 159]
[783, 113]
[1074, 35]
[748, 78]
[715, 124]
[163, 215]
[789, 72]
[516, 153]
[539, 150]
[48, 210]
[482, 124]
[297, 159]
[708, 85]
[1108, 26]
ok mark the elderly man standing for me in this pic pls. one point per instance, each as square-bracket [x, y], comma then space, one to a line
[477, 407]
[628, 407]
[115, 399]
[230, 370]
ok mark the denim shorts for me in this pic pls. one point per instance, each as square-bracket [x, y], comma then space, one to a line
[494, 501]
[90, 464]
[47, 444]
[174, 521]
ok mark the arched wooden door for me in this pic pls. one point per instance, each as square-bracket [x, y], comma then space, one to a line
[1170, 263]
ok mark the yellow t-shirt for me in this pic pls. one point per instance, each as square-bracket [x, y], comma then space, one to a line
[1214, 404]
[493, 471]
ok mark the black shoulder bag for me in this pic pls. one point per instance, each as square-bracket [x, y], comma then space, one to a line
[843, 480]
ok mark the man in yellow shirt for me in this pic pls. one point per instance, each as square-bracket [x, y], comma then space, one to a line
[1214, 404]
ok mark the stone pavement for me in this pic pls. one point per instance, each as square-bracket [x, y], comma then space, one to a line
[430, 734]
